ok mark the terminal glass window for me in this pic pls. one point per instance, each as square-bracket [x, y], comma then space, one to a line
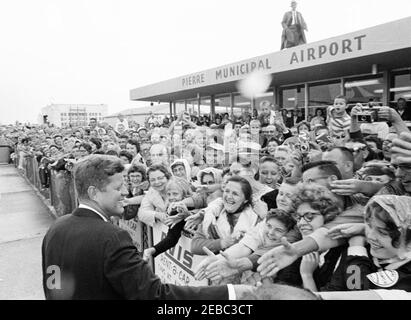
[364, 90]
[222, 105]
[242, 106]
[292, 97]
[323, 94]
[205, 106]
[400, 87]
[180, 107]
[192, 106]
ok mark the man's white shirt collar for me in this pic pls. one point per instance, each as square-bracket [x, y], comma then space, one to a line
[83, 206]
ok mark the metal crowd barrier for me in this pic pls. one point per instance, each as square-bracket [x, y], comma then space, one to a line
[62, 192]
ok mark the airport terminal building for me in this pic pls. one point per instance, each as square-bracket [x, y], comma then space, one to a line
[370, 64]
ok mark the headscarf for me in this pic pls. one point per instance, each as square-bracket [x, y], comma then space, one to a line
[399, 209]
[186, 165]
[217, 174]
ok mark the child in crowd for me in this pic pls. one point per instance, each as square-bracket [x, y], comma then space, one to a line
[338, 119]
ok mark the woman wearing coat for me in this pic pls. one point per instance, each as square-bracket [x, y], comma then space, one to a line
[227, 220]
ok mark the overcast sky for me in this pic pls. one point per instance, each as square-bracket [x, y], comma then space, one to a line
[95, 51]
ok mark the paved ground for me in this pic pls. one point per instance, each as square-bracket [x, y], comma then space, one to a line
[24, 219]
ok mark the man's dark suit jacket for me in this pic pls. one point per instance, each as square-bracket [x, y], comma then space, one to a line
[99, 261]
[286, 22]
[406, 116]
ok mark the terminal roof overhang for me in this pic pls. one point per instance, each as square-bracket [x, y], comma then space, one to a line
[388, 46]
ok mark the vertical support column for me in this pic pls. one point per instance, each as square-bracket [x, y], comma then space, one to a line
[185, 105]
[306, 100]
[171, 109]
[252, 105]
[174, 108]
[232, 104]
[275, 97]
[212, 106]
[387, 84]
[198, 103]
[342, 87]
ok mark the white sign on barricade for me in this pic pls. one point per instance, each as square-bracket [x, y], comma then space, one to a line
[177, 265]
[135, 229]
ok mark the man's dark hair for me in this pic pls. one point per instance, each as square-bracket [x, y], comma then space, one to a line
[123, 136]
[327, 167]
[95, 170]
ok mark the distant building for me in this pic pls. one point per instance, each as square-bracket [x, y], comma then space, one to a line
[65, 115]
[139, 115]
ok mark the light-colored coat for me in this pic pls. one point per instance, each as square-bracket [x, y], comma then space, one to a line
[151, 203]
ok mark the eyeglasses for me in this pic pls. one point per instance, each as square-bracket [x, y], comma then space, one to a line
[308, 216]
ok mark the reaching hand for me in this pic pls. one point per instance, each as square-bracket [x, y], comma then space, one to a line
[389, 114]
[193, 221]
[309, 263]
[277, 258]
[160, 216]
[355, 111]
[347, 187]
[401, 149]
[148, 253]
[221, 269]
[171, 221]
[346, 230]
[199, 273]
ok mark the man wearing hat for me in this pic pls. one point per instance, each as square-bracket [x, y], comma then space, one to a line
[293, 28]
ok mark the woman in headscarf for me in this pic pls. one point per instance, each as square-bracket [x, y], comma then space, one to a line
[208, 188]
[387, 230]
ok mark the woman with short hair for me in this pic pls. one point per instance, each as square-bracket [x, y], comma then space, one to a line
[153, 206]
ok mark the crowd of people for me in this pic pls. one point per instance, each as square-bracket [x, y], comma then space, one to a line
[323, 204]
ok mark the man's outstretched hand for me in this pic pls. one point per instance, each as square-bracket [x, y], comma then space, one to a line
[276, 259]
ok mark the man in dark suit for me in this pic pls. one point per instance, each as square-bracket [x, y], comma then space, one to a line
[403, 109]
[293, 28]
[84, 256]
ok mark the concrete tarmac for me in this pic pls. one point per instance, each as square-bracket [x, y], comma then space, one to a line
[24, 219]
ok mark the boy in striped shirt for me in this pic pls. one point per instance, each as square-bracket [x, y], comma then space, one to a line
[337, 118]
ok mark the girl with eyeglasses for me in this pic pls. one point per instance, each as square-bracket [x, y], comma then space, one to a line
[314, 206]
